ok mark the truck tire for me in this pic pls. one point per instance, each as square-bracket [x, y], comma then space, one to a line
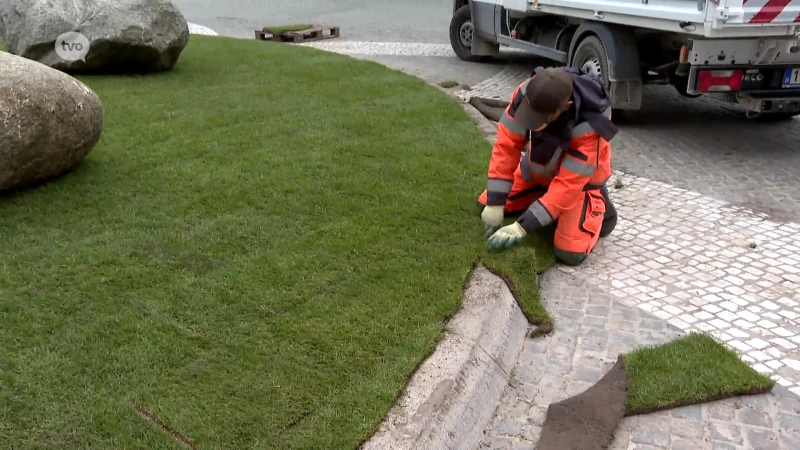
[591, 57]
[462, 32]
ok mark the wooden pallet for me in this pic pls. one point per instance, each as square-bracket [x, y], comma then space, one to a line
[316, 33]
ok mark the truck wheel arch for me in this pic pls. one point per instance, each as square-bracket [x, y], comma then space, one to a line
[564, 40]
[623, 59]
[618, 41]
[459, 3]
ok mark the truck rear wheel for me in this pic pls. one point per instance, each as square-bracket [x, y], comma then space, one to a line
[590, 57]
[462, 34]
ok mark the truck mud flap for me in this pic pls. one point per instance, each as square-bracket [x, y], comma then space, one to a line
[483, 19]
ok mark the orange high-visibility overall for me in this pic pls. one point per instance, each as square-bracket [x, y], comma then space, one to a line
[552, 175]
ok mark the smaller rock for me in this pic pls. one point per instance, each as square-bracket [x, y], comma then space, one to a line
[49, 122]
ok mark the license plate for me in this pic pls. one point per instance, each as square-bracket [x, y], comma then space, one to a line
[791, 78]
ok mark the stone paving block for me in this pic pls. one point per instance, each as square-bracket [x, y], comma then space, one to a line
[532, 432]
[656, 438]
[686, 429]
[682, 444]
[788, 441]
[789, 422]
[693, 413]
[726, 432]
[551, 390]
[724, 446]
[752, 416]
[507, 427]
[762, 439]
[495, 443]
[721, 411]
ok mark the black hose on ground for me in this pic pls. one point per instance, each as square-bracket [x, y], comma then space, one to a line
[491, 108]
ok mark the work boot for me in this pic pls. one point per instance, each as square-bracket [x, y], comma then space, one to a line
[610, 219]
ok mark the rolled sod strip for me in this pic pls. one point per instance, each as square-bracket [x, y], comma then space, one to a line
[491, 108]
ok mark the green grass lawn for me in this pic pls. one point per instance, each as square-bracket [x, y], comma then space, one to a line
[260, 250]
[693, 369]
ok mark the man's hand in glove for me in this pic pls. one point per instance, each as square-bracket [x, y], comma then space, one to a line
[492, 217]
[506, 237]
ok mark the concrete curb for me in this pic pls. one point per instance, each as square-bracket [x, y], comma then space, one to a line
[451, 398]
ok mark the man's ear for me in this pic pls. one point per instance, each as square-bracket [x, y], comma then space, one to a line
[565, 108]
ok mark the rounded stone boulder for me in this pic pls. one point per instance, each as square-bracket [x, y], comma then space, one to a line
[49, 122]
[95, 36]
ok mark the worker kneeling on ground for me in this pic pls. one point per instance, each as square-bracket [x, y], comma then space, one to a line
[550, 162]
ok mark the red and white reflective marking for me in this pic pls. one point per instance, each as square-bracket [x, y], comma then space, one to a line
[771, 11]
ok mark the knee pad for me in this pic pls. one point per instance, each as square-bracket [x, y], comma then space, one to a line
[609, 223]
[611, 211]
[570, 258]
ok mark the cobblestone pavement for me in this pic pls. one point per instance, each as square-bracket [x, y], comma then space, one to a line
[705, 265]
[594, 327]
[698, 144]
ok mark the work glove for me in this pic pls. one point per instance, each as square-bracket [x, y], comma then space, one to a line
[506, 237]
[492, 217]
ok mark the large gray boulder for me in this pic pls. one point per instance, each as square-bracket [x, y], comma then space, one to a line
[49, 122]
[124, 36]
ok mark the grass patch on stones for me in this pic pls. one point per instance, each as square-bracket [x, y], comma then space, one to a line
[257, 254]
[690, 370]
[278, 29]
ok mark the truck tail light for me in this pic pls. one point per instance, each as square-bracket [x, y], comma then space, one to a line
[719, 80]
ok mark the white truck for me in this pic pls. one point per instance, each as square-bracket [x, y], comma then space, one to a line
[740, 51]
